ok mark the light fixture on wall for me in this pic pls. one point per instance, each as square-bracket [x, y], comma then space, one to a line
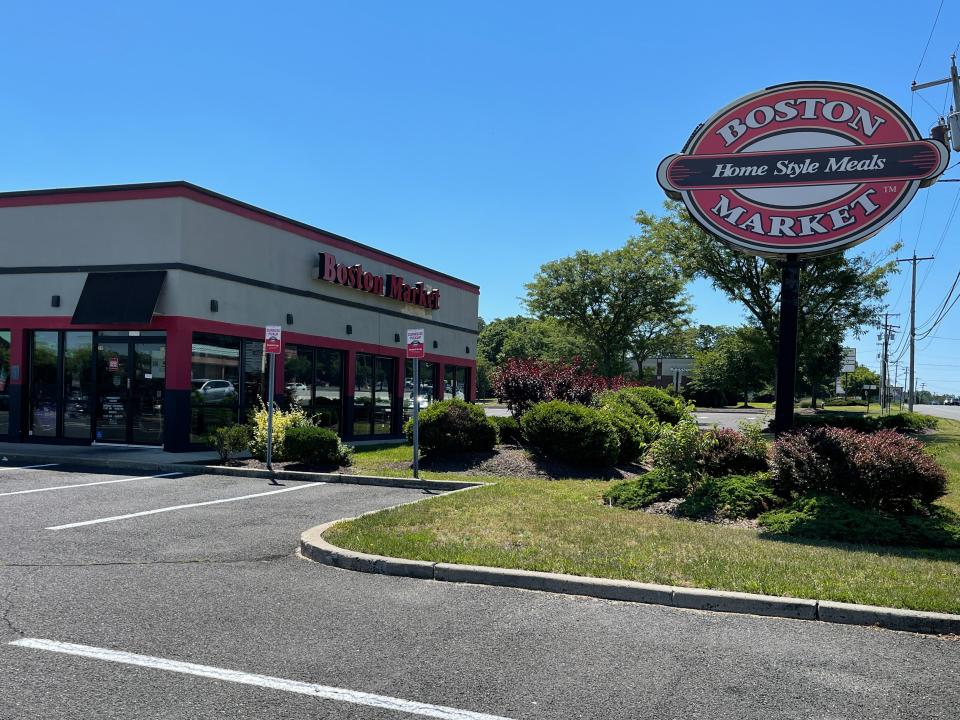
[468, 350]
[396, 337]
[55, 301]
[349, 329]
[289, 318]
[436, 344]
[214, 306]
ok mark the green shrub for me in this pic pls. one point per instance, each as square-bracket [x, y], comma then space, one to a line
[845, 402]
[734, 452]
[732, 496]
[909, 422]
[883, 469]
[905, 422]
[668, 409]
[574, 433]
[828, 517]
[453, 426]
[649, 488]
[312, 445]
[283, 420]
[508, 430]
[680, 448]
[635, 422]
[228, 440]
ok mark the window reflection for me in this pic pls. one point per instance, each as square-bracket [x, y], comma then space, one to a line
[77, 384]
[43, 384]
[214, 381]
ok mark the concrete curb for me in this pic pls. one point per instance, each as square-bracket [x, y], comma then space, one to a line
[190, 468]
[314, 547]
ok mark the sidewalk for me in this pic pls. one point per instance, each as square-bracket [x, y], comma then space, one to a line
[99, 455]
[204, 462]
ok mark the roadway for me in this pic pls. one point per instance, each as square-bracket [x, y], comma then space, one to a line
[183, 597]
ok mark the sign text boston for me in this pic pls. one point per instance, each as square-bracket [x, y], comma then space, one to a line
[389, 286]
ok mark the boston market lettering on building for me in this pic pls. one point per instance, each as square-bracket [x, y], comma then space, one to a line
[803, 168]
[388, 286]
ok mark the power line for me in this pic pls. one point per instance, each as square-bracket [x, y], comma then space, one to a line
[927, 46]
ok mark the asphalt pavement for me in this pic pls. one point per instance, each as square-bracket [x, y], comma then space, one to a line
[945, 411]
[182, 597]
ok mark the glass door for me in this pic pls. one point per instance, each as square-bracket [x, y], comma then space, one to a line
[113, 392]
[131, 377]
[149, 363]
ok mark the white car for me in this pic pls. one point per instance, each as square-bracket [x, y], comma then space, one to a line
[213, 390]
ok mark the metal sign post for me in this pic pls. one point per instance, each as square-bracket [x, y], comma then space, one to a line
[787, 346]
[271, 346]
[415, 351]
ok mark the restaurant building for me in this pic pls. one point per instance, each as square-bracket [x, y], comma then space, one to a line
[135, 315]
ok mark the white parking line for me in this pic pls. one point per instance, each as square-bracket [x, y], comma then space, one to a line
[264, 681]
[29, 467]
[79, 485]
[179, 507]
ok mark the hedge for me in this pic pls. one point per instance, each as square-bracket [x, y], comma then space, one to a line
[576, 434]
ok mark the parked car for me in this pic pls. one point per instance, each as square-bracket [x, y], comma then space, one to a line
[214, 390]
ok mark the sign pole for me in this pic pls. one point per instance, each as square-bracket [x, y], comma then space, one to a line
[416, 418]
[415, 351]
[271, 346]
[270, 381]
[787, 345]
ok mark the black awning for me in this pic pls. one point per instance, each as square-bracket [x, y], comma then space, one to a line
[110, 298]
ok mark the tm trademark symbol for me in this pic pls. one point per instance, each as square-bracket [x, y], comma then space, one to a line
[890, 188]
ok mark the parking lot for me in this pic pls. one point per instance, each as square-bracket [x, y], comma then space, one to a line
[180, 596]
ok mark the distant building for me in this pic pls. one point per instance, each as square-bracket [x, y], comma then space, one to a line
[669, 372]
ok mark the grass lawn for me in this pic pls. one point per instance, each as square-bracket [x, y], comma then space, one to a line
[562, 526]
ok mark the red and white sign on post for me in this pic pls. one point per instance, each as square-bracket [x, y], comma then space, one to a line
[271, 340]
[415, 346]
[271, 346]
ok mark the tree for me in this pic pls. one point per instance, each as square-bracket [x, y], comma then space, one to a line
[739, 363]
[838, 293]
[853, 382]
[525, 337]
[820, 362]
[604, 297]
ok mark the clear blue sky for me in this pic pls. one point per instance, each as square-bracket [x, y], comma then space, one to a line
[482, 140]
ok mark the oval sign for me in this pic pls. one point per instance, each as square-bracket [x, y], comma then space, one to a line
[804, 168]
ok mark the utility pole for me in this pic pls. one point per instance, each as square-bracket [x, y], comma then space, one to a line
[913, 318]
[953, 120]
[885, 370]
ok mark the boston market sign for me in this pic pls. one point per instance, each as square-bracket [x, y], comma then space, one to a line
[802, 169]
[388, 286]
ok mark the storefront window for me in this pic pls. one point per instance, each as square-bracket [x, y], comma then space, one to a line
[313, 379]
[298, 376]
[254, 378]
[426, 395]
[384, 375]
[4, 383]
[328, 388]
[77, 384]
[43, 384]
[373, 394]
[363, 395]
[215, 382]
[455, 382]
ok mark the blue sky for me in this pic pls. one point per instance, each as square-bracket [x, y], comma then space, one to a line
[482, 140]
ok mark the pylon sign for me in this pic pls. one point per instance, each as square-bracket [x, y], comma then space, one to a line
[802, 169]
